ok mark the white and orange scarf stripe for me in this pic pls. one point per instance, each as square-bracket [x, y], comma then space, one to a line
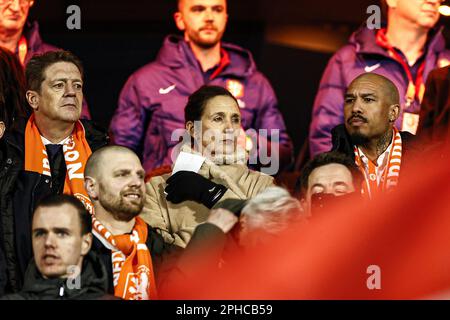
[132, 265]
[391, 173]
[76, 153]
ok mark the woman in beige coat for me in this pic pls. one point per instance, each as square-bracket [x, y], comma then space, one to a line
[176, 204]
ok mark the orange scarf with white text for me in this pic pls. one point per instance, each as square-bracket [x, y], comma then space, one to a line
[132, 265]
[76, 153]
[391, 173]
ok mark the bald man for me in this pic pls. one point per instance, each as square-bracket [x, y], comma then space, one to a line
[369, 135]
[405, 50]
[135, 256]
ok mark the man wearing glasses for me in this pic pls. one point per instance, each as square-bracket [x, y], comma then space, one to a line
[405, 51]
[22, 37]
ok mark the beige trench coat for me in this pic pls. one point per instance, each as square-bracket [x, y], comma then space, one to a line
[176, 222]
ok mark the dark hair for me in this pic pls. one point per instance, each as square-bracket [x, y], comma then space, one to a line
[198, 100]
[324, 159]
[35, 69]
[57, 200]
[13, 103]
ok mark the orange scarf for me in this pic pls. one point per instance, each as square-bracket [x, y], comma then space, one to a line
[131, 261]
[391, 173]
[76, 152]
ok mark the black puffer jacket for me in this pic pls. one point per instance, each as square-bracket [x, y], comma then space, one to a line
[20, 191]
[93, 284]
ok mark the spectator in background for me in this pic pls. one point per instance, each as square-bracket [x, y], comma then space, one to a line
[369, 135]
[152, 101]
[405, 51]
[13, 104]
[135, 256]
[435, 112]
[63, 266]
[176, 204]
[22, 37]
[46, 153]
[325, 177]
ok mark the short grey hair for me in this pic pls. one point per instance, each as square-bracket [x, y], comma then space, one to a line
[272, 211]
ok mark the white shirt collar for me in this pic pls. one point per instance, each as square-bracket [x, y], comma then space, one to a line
[45, 141]
[381, 162]
[382, 159]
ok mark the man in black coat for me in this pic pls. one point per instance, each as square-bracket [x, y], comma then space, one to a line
[435, 110]
[55, 93]
[63, 266]
[132, 251]
[368, 135]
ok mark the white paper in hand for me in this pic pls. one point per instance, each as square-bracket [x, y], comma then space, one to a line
[188, 162]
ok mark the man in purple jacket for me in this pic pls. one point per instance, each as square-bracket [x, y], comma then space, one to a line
[22, 37]
[405, 52]
[151, 104]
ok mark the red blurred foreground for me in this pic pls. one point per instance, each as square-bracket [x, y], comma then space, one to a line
[407, 235]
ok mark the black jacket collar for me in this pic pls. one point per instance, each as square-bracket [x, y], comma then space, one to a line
[94, 282]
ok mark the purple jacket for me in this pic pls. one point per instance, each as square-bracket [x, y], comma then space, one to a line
[360, 55]
[151, 104]
[37, 46]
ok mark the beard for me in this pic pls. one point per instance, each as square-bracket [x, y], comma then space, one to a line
[117, 206]
[359, 138]
[199, 41]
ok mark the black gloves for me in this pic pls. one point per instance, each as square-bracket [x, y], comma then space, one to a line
[187, 185]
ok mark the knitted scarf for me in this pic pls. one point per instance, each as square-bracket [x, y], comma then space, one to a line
[132, 265]
[76, 152]
[391, 173]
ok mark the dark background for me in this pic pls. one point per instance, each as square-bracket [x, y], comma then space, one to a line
[291, 42]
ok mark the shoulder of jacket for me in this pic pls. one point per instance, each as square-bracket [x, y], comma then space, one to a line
[156, 181]
[96, 135]
[347, 53]
[439, 74]
[261, 175]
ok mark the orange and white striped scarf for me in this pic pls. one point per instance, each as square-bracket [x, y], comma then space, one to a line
[391, 173]
[132, 265]
[76, 152]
